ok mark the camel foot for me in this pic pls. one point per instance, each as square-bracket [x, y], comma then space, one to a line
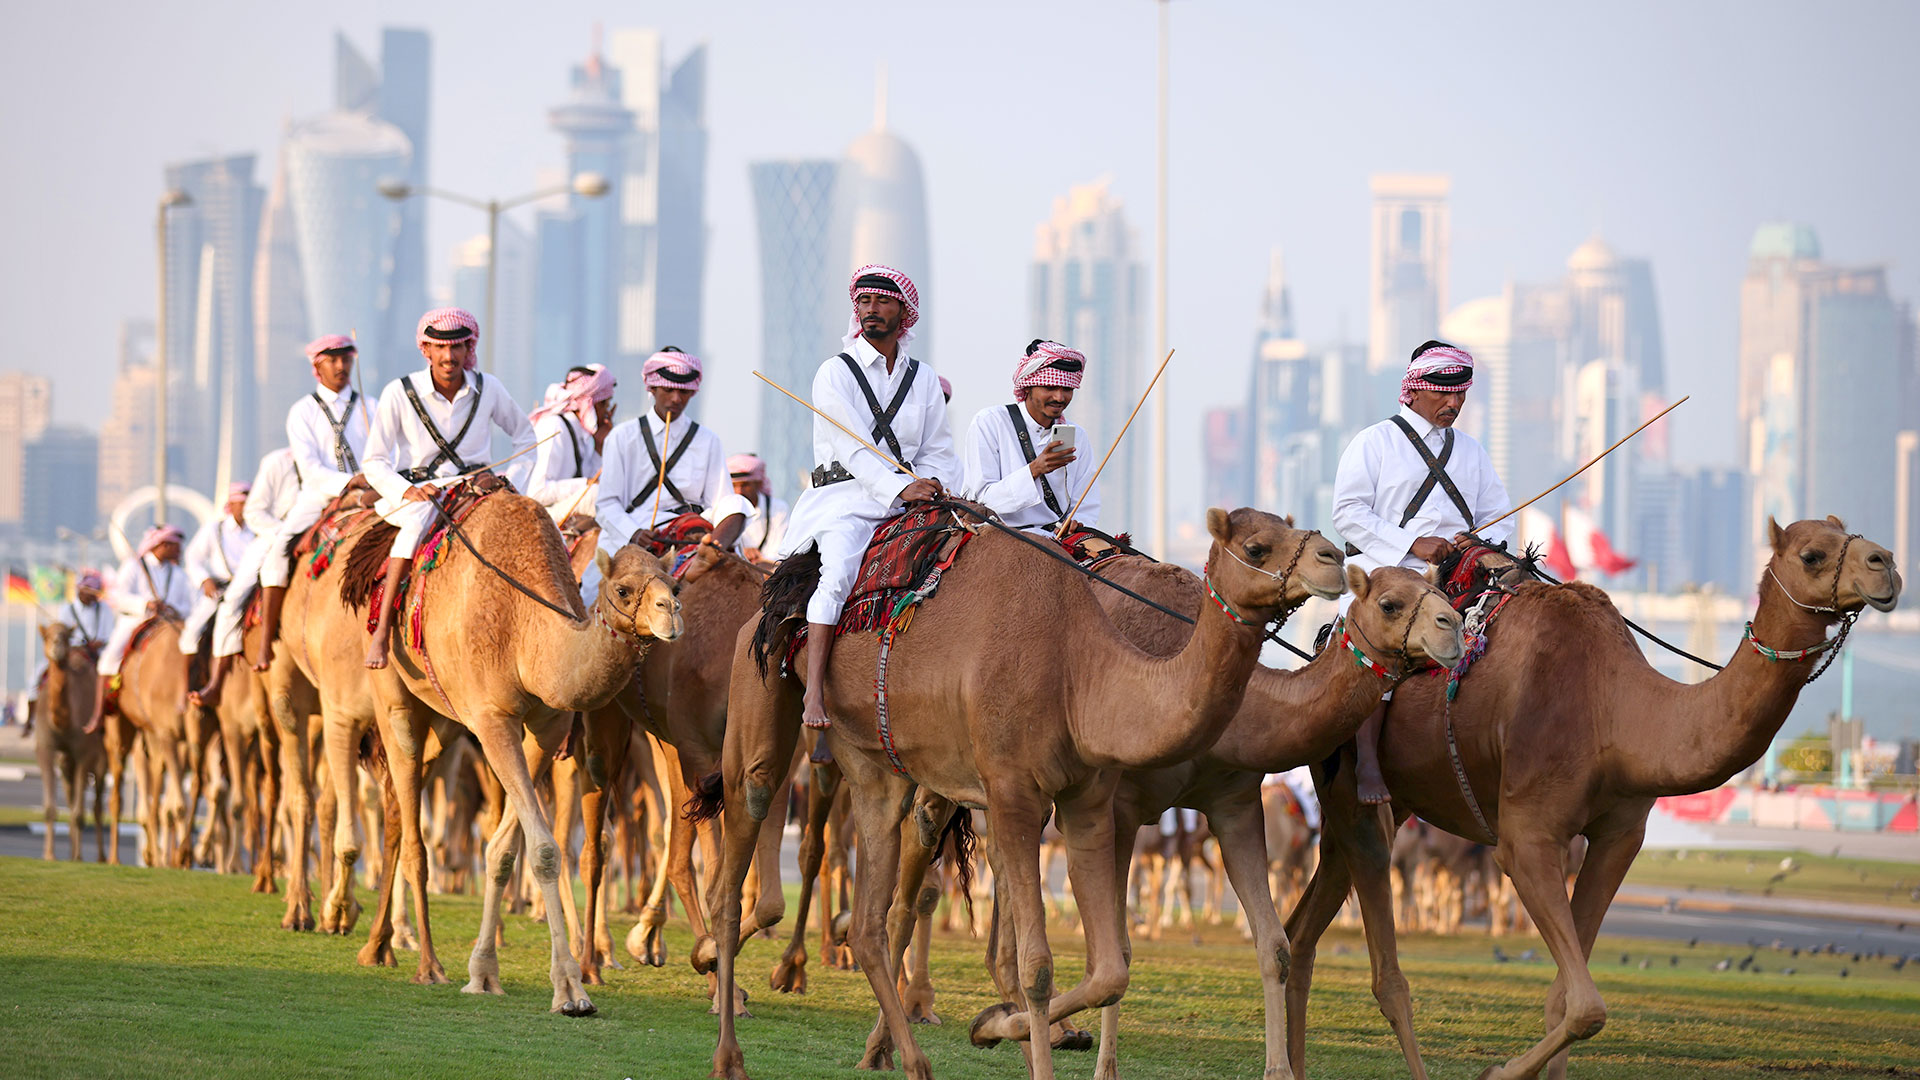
[572, 1001]
[790, 974]
[297, 918]
[340, 918]
[739, 1004]
[1068, 1037]
[705, 956]
[377, 954]
[879, 1056]
[430, 973]
[651, 934]
[923, 1014]
[984, 1031]
[484, 983]
[403, 938]
[727, 1063]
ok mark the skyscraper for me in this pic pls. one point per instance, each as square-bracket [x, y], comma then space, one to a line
[1409, 276]
[1285, 384]
[793, 209]
[512, 326]
[126, 439]
[406, 71]
[1087, 289]
[26, 408]
[60, 470]
[280, 327]
[880, 216]
[579, 284]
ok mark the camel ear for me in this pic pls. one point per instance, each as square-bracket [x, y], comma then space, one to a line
[1219, 524]
[1289, 520]
[1357, 582]
[1836, 523]
[602, 563]
[1432, 574]
[1776, 534]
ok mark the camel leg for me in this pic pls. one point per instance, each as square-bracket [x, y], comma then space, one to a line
[296, 770]
[878, 809]
[342, 909]
[503, 752]
[1015, 840]
[1537, 865]
[929, 819]
[117, 777]
[675, 866]
[406, 732]
[483, 966]
[44, 753]
[380, 932]
[266, 880]
[566, 794]
[1609, 856]
[605, 758]
[233, 761]
[180, 803]
[790, 973]
[98, 768]
[917, 993]
[1241, 831]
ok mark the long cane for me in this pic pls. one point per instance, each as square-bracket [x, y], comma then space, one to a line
[1581, 469]
[1062, 531]
[884, 456]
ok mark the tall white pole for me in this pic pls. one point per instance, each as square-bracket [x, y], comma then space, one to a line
[160, 377]
[490, 328]
[1159, 520]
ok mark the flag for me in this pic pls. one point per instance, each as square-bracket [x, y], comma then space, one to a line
[19, 589]
[1539, 530]
[1590, 548]
[51, 585]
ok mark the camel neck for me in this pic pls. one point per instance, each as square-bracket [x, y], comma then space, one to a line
[578, 665]
[1298, 717]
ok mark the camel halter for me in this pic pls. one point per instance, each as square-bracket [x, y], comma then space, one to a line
[1347, 631]
[1281, 576]
[1830, 646]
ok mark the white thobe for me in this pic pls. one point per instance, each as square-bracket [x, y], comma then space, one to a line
[1379, 473]
[88, 625]
[997, 473]
[840, 518]
[564, 466]
[766, 526]
[627, 474]
[276, 488]
[214, 554]
[129, 594]
[400, 441]
[324, 465]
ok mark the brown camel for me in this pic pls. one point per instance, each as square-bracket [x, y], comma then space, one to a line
[63, 750]
[251, 757]
[989, 709]
[153, 689]
[1564, 729]
[292, 705]
[513, 670]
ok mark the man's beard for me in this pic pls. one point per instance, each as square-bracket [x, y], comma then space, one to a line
[872, 328]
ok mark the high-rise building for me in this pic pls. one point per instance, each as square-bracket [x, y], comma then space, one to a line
[210, 326]
[579, 287]
[1409, 276]
[61, 468]
[280, 328]
[405, 95]
[512, 324]
[880, 216]
[26, 408]
[1284, 392]
[1088, 290]
[126, 439]
[793, 211]
[1224, 454]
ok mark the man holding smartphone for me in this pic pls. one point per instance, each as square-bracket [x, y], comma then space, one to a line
[1023, 459]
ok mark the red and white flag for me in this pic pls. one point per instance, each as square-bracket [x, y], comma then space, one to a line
[1589, 547]
[1536, 528]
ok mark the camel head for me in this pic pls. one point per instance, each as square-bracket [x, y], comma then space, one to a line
[1262, 564]
[1817, 565]
[1399, 612]
[55, 641]
[636, 594]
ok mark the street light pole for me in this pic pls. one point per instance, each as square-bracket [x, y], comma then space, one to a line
[493, 283]
[1159, 531]
[171, 198]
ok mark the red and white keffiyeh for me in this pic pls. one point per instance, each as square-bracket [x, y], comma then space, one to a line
[90, 579]
[327, 343]
[946, 388]
[902, 290]
[672, 369]
[157, 535]
[577, 395]
[1443, 360]
[747, 467]
[239, 489]
[1048, 363]
[449, 324]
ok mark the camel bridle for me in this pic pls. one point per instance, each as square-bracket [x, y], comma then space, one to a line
[1831, 646]
[1349, 628]
[1283, 576]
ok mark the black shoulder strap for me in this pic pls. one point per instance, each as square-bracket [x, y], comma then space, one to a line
[446, 453]
[660, 471]
[343, 458]
[1026, 447]
[579, 463]
[883, 418]
[1436, 474]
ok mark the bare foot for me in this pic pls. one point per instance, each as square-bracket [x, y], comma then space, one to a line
[377, 654]
[813, 709]
[1373, 786]
[264, 658]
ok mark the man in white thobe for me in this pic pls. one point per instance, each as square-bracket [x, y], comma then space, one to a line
[875, 388]
[635, 497]
[569, 429]
[151, 583]
[213, 558]
[89, 622]
[766, 526]
[435, 425]
[1019, 463]
[1408, 490]
[276, 487]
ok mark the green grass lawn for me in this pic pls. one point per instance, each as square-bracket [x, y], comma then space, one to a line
[143, 973]
[1760, 873]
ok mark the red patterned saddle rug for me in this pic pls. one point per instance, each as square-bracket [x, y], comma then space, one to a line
[901, 567]
[1476, 589]
[1091, 547]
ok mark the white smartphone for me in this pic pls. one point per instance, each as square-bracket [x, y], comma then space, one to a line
[1063, 434]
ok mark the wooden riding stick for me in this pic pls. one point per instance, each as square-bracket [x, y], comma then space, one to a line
[1062, 531]
[1581, 469]
[884, 456]
[659, 489]
[583, 492]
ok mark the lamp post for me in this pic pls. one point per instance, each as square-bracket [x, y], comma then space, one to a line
[1159, 519]
[171, 198]
[587, 185]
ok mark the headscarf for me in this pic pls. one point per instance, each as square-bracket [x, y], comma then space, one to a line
[449, 324]
[946, 388]
[747, 467]
[672, 369]
[155, 536]
[327, 343]
[1047, 363]
[1437, 366]
[90, 579]
[239, 489]
[874, 278]
[577, 395]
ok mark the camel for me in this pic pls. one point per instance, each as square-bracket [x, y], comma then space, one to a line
[252, 759]
[153, 688]
[62, 749]
[506, 667]
[990, 709]
[286, 694]
[1565, 729]
[1287, 718]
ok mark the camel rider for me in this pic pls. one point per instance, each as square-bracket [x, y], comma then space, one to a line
[327, 432]
[434, 425]
[766, 525]
[569, 429]
[1408, 489]
[875, 388]
[635, 497]
[1018, 463]
[212, 560]
[276, 486]
[152, 583]
[88, 623]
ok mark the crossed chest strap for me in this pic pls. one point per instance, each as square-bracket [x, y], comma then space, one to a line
[1436, 474]
[1026, 448]
[447, 453]
[661, 473]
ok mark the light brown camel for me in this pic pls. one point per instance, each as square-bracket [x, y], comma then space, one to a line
[1397, 620]
[1564, 729]
[990, 709]
[292, 705]
[153, 689]
[513, 670]
[63, 751]
[251, 756]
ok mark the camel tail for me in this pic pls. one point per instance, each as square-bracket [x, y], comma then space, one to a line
[959, 832]
[784, 597]
[708, 799]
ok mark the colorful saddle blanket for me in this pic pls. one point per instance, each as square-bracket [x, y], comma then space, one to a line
[680, 533]
[1477, 590]
[1091, 547]
[902, 566]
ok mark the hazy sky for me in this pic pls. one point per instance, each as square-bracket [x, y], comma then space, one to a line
[1674, 128]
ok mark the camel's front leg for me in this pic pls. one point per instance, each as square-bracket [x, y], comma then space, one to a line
[663, 787]
[878, 807]
[1015, 821]
[45, 754]
[929, 819]
[406, 727]
[296, 771]
[790, 972]
[605, 757]
[1537, 865]
[341, 909]
[1610, 854]
[1241, 830]
[483, 966]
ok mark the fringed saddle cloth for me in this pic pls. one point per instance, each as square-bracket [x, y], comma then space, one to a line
[458, 500]
[902, 566]
[678, 535]
[1477, 583]
[1091, 547]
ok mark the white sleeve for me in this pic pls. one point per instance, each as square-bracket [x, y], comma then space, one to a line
[509, 417]
[937, 459]
[317, 468]
[258, 513]
[127, 596]
[777, 513]
[609, 504]
[383, 442]
[989, 480]
[549, 481]
[198, 559]
[1354, 483]
[875, 474]
[719, 481]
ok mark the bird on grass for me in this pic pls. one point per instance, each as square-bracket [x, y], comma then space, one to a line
[1724, 964]
[1499, 955]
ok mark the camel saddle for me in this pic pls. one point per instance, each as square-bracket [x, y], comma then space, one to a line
[141, 633]
[1090, 547]
[900, 566]
[347, 512]
[1478, 581]
[682, 532]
